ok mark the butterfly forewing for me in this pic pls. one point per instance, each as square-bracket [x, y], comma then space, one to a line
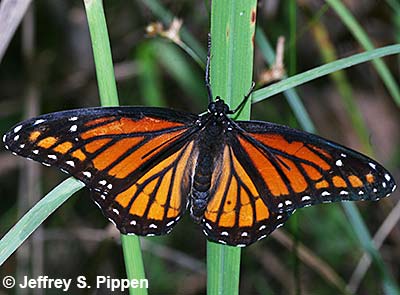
[137, 160]
[295, 169]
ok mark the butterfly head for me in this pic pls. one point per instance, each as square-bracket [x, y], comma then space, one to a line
[218, 107]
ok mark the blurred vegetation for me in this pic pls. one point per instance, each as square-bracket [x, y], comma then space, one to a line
[48, 67]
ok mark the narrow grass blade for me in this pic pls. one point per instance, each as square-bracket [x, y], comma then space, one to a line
[109, 97]
[36, 216]
[133, 262]
[223, 269]
[364, 40]
[101, 52]
[232, 47]
[323, 70]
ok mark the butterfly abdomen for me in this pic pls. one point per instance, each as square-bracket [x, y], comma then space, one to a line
[210, 147]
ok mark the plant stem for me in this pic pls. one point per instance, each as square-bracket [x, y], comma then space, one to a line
[109, 97]
[232, 47]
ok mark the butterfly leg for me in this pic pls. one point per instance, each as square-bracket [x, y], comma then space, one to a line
[245, 99]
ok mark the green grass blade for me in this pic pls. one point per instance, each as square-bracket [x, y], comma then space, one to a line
[364, 40]
[232, 47]
[36, 215]
[323, 70]
[133, 261]
[109, 97]
[101, 52]
[223, 269]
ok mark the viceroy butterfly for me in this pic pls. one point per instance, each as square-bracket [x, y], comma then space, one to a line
[240, 179]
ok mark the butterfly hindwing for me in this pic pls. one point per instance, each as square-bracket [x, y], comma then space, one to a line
[294, 169]
[236, 214]
[156, 201]
[135, 160]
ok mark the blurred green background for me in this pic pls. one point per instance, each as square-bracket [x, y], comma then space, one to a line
[48, 67]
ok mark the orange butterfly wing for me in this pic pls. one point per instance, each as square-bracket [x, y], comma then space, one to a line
[293, 169]
[137, 161]
[236, 214]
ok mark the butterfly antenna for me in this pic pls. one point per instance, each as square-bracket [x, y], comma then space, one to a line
[208, 84]
[240, 107]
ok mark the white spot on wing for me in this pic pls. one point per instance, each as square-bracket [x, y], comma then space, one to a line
[109, 186]
[18, 128]
[133, 222]
[306, 198]
[152, 225]
[115, 211]
[16, 137]
[35, 152]
[372, 165]
[87, 174]
[171, 223]
[325, 193]
[102, 182]
[39, 121]
[339, 163]
[73, 128]
[54, 157]
[4, 138]
[244, 234]
[73, 119]
[344, 193]
[288, 203]
[70, 163]
[262, 237]
[224, 233]
[387, 177]
[262, 227]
